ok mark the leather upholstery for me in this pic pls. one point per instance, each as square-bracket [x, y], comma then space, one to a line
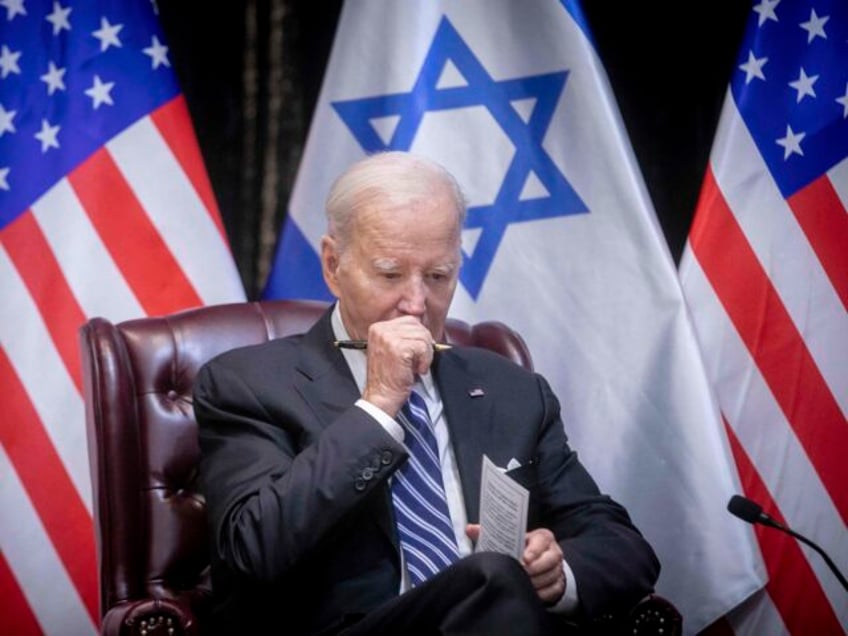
[149, 517]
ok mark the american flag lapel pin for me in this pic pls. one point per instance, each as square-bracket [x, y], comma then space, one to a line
[476, 392]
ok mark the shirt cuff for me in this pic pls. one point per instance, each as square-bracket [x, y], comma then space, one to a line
[385, 420]
[567, 604]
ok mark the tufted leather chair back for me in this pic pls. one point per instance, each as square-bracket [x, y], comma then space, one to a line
[149, 517]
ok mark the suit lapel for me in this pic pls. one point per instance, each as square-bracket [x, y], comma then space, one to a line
[468, 411]
[325, 381]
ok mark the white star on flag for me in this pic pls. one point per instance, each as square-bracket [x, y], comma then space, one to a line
[804, 85]
[13, 8]
[47, 136]
[54, 78]
[108, 34]
[4, 184]
[753, 67]
[815, 26]
[9, 62]
[99, 92]
[6, 117]
[59, 18]
[843, 101]
[158, 53]
[791, 143]
[766, 11]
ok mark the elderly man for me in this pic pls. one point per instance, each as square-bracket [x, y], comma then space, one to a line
[338, 479]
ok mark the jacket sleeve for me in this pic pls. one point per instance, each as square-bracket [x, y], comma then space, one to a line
[277, 481]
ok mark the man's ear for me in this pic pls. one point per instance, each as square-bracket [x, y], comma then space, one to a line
[330, 263]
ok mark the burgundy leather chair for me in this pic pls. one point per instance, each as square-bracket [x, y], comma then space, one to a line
[149, 517]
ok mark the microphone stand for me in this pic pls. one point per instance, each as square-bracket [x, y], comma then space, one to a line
[823, 554]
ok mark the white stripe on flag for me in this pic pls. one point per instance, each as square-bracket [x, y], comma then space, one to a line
[839, 179]
[91, 273]
[36, 565]
[176, 210]
[783, 250]
[41, 370]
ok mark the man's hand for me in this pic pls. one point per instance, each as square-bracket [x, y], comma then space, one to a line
[542, 560]
[398, 350]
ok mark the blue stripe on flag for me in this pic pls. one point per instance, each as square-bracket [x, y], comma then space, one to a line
[297, 268]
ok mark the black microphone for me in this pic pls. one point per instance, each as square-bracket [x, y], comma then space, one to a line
[752, 512]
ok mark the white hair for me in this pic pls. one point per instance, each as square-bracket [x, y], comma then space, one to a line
[394, 177]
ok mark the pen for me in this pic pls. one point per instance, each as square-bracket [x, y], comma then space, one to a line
[363, 344]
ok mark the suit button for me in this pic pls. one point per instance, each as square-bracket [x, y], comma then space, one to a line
[386, 458]
[359, 484]
[367, 474]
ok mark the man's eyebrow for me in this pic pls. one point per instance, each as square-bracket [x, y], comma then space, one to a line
[385, 264]
[445, 268]
[388, 264]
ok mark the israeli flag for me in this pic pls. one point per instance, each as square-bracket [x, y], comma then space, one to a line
[561, 242]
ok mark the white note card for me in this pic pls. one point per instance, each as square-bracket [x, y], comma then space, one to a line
[503, 512]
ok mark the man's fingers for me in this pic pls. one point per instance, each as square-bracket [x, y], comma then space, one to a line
[546, 578]
[541, 551]
[553, 592]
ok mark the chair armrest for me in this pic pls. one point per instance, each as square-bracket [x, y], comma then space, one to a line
[655, 615]
[150, 617]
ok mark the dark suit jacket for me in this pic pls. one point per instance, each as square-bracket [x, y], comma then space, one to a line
[296, 483]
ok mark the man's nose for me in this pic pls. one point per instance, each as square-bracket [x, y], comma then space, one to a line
[414, 299]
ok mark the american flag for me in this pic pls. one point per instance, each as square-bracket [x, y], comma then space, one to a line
[105, 210]
[766, 278]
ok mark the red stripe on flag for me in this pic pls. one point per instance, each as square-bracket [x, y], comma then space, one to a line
[131, 238]
[825, 223]
[30, 252]
[793, 586]
[15, 614]
[49, 486]
[757, 312]
[174, 123]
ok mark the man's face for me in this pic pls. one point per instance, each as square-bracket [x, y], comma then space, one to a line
[400, 261]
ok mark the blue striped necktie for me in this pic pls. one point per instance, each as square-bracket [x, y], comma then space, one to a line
[421, 508]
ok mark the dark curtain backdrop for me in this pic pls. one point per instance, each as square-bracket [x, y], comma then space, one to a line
[251, 73]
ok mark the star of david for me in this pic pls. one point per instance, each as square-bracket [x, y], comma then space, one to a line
[530, 160]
